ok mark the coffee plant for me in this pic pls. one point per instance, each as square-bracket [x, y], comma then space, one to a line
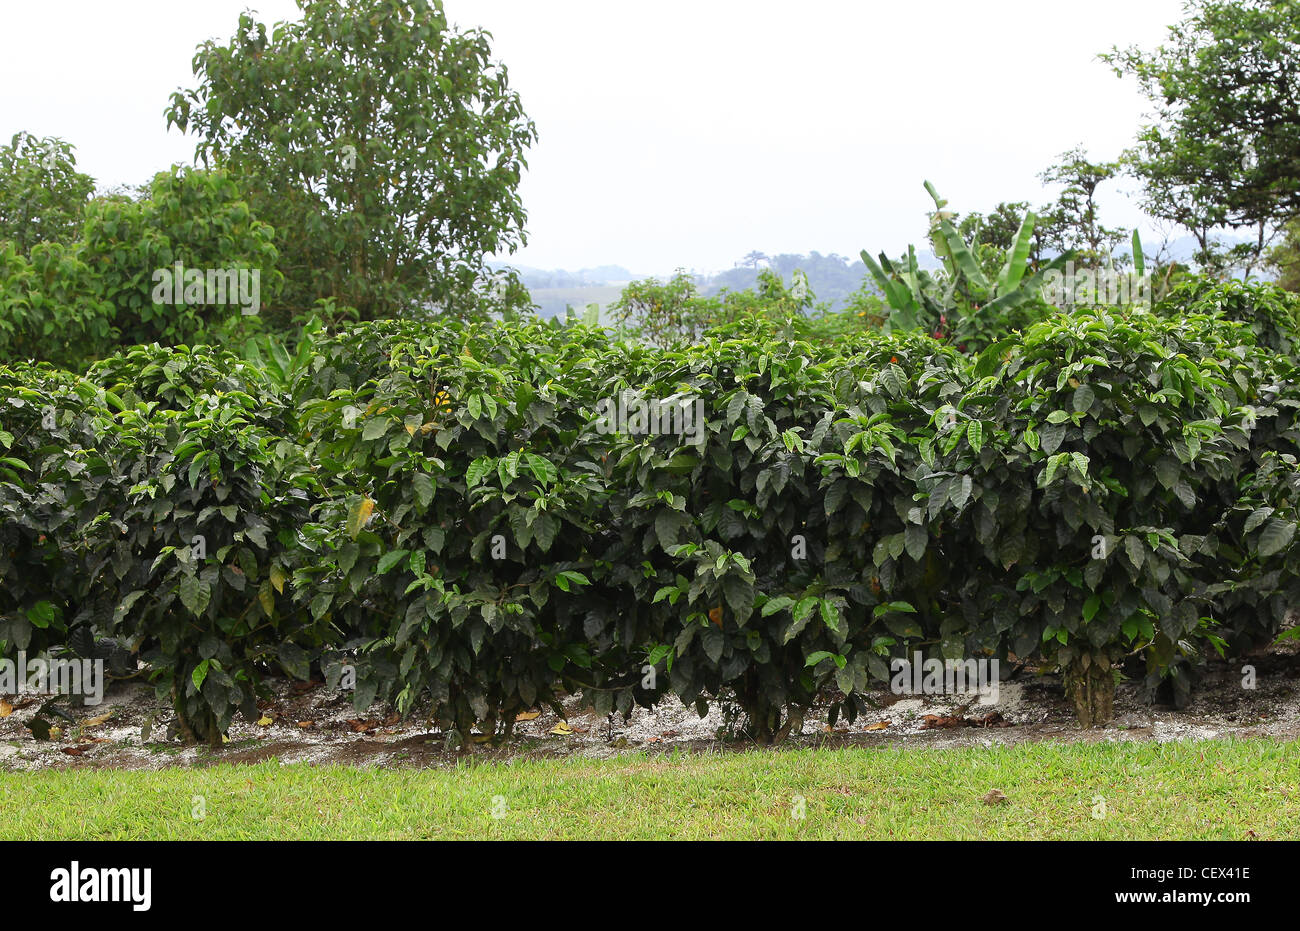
[467, 519]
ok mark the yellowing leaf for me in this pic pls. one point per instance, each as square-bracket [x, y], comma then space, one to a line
[715, 615]
[358, 516]
[277, 579]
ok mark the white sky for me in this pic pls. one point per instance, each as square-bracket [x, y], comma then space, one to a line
[680, 132]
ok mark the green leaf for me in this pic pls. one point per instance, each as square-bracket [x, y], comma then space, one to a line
[42, 614]
[830, 615]
[423, 486]
[773, 605]
[1275, 537]
[479, 468]
[1017, 257]
[200, 673]
[389, 560]
[1256, 518]
[194, 594]
[543, 470]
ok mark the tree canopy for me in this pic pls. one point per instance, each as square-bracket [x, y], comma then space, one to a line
[383, 145]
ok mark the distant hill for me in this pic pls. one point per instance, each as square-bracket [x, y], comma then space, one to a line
[832, 278]
[600, 276]
[555, 290]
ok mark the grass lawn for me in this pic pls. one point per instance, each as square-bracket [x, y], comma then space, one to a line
[1205, 790]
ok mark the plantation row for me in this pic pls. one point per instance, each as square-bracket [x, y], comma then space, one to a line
[436, 506]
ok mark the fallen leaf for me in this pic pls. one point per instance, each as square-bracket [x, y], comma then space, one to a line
[527, 715]
[6, 709]
[73, 751]
[264, 721]
[306, 723]
[933, 721]
[562, 729]
[878, 726]
[96, 721]
[995, 797]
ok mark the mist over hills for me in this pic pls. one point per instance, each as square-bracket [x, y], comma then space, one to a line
[831, 278]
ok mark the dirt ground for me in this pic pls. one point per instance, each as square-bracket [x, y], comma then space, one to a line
[306, 722]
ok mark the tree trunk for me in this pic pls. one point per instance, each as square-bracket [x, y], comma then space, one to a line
[1090, 685]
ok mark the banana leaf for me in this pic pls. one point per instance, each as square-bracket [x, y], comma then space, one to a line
[1018, 257]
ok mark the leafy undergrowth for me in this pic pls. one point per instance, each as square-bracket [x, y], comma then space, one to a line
[1228, 790]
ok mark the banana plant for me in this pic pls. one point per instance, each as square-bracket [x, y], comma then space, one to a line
[961, 297]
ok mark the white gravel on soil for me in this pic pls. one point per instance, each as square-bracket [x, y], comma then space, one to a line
[314, 725]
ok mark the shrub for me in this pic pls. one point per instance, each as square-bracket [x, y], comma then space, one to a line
[1272, 313]
[439, 507]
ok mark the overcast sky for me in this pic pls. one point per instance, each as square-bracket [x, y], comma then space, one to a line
[680, 133]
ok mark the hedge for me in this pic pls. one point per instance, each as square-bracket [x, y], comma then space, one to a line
[435, 506]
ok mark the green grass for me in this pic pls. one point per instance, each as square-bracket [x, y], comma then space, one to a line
[1212, 789]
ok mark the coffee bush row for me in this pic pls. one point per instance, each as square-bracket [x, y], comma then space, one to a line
[436, 514]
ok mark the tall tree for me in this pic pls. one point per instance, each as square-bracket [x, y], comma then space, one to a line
[1224, 147]
[1073, 221]
[384, 146]
[42, 194]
